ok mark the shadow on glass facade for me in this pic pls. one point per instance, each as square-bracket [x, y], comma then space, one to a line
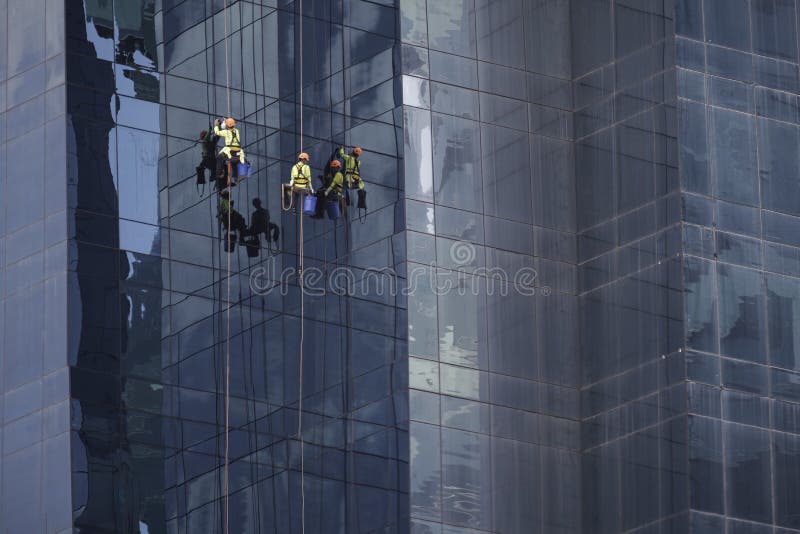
[570, 307]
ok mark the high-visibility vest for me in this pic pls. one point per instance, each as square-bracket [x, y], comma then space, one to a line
[301, 174]
[337, 184]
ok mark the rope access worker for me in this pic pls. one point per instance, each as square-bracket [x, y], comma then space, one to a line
[333, 184]
[352, 173]
[208, 143]
[337, 183]
[232, 151]
[300, 182]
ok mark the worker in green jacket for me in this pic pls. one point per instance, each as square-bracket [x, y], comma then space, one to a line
[352, 173]
[337, 183]
[208, 143]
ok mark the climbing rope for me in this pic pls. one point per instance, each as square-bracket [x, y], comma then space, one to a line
[302, 302]
[228, 302]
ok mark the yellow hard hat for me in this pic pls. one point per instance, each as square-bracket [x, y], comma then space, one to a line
[357, 151]
[303, 155]
[230, 123]
[335, 164]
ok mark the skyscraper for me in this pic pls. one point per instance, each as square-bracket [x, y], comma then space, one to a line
[568, 309]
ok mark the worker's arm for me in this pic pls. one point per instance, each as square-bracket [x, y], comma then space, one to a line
[293, 175]
[337, 180]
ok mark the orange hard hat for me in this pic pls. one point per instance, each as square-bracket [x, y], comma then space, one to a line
[357, 151]
[303, 155]
[336, 164]
[230, 123]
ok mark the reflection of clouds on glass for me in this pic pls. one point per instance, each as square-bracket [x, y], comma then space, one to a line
[426, 159]
[138, 174]
[418, 155]
[137, 237]
[137, 184]
[99, 14]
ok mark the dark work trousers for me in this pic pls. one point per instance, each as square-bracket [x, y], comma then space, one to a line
[207, 163]
[222, 168]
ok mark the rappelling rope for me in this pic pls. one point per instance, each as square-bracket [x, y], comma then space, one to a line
[302, 300]
[228, 308]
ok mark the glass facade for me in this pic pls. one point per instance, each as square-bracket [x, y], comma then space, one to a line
[35, 481]
[738, 86]
[570, 307]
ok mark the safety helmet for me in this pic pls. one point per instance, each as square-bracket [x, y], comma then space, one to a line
[303, 156]
[230, 123]
[357, 151]
[335, 164]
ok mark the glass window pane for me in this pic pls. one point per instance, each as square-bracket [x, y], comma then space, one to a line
[779, 166]
[500, 32]
[783, 316]
[741, 313]
[454, 100]
[451, 26]
[506, 172]
[747, 468]
[705, 464]
[727, 23]
[417, 160]
[787, 483]
[774, 28]
[734, 156]
[426, 471]
[456, 162]
[701, 307]
[457, 70]
[466, 481]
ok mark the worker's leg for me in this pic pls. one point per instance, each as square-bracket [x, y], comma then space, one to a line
[320, 210]
[222, 166]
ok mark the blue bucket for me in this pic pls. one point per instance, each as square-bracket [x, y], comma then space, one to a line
[242, 170]
[309, 204]
[333, 209]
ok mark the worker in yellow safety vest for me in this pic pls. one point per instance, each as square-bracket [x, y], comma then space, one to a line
[232, 151]
[300, 180]
[352, 173]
